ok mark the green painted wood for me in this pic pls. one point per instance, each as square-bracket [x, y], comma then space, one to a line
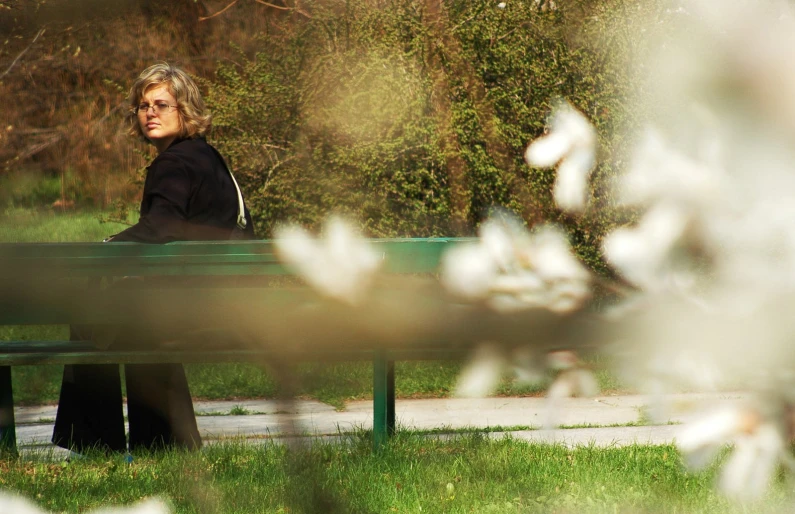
[380, 400]
[15, 347]
[390, 398]
[262, 247]
[8, 438]
[81, 352]
[196, 258]
[132, 357]
[60, 356]
[51, 303]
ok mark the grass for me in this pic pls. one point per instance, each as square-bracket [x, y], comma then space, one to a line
[43, 225]
[466, 473]
[239, 410]
[334, 384]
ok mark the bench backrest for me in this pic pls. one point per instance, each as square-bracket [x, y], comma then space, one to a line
[217, 258]
[44, 283]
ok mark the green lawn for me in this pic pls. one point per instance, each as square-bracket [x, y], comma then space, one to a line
[45, 226]
[469, 473]
[334, 383]
[331, 383]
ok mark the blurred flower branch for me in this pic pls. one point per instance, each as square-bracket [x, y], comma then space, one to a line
[711, 260]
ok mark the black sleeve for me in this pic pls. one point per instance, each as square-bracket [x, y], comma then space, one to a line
[164, 205]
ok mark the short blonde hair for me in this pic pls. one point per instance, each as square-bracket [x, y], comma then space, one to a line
[194, 119]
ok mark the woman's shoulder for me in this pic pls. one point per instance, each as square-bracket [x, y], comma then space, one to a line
[165, 161]
[193, 156]
[188, 147]
[184, 152]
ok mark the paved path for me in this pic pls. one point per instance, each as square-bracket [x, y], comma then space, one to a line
[604, 420]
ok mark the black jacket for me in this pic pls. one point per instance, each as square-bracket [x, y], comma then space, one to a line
[188, 196]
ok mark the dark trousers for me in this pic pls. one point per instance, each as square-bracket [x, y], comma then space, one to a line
[159, 407]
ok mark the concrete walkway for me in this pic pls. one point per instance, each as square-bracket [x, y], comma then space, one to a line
[604, 420]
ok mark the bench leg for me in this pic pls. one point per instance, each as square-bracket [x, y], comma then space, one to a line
[383, 399]
[8, 436]
[390, 397]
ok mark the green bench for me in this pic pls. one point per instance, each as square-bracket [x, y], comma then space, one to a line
[236, 288]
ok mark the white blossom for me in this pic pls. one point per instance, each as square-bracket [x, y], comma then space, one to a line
[150, 506]
[512, 270]
[751, 466]
[550, 254]
[643, 254]
[498, 237]
[341, 265]
[13, 504]
[571, 142]
[527, 367]
[760, 446]
[469, 271]
[573, 378]
[701, 440]
[659, 172]
[574, 382]
[482, 373]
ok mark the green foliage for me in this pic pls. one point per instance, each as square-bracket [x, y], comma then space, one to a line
[326, 123]
[527, 60]
[32, 189]
[413, 120]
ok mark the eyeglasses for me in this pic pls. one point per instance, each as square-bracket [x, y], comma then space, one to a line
[158, 108]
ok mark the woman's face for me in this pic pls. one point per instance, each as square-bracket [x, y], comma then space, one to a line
[158, 117]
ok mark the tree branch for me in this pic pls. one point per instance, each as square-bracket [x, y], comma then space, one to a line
[203, 18]
[22, 53]
[286, 8]
[301, 11]
[38, 147]
[282, 7]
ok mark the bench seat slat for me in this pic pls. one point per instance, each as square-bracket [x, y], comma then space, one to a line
[196, 258]
[61, 356]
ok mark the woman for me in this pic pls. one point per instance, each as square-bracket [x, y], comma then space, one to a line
[189, 194]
